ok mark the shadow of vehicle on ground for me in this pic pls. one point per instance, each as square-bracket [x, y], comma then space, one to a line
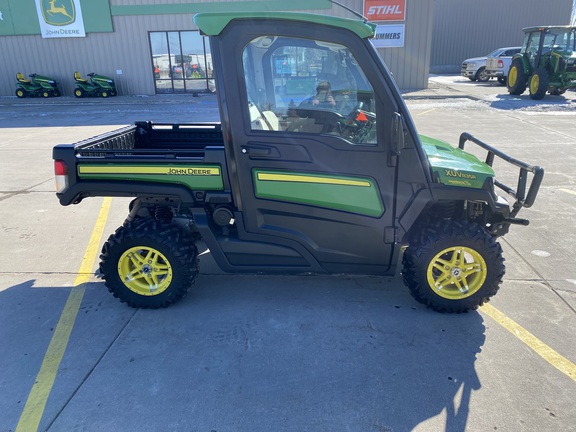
[279, 353]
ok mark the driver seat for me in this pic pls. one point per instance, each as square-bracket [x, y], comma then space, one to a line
[20, 78]
[78, 77]
[265, 120]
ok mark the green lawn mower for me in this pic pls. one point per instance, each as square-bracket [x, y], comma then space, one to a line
[547, 62]
[36, 86]
[96, 86]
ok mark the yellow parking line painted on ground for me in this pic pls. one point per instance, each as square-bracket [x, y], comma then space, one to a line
[426, 112]
[568, 191]
[34, 408]
[559, 362]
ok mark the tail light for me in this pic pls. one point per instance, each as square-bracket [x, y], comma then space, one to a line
[500, 64]
[61, 174]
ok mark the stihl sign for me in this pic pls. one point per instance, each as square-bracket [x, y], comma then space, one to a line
[385, 10]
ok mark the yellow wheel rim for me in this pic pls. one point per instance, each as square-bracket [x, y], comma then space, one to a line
[456, 273]
[78, 93]
[512, 76]
[534, 84]
[145, 271]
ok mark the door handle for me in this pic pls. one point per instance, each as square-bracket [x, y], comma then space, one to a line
[260, 151]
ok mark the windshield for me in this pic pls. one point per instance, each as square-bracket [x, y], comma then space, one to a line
[495, 53]
[559, 40]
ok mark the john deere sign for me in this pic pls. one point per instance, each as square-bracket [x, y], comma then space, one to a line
[60, 18]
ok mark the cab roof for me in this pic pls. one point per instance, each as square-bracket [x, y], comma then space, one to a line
[212, 23]
[563, 28]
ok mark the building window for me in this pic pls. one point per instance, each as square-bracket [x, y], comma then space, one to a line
[181, 62]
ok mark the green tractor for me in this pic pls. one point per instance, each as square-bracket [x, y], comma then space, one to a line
[547, 62]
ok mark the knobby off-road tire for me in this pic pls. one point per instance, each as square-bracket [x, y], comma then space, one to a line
[539, 82]
[456, 266]
[149, 264]
[517, 78]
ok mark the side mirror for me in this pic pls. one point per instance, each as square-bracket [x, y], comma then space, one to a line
[398, 133]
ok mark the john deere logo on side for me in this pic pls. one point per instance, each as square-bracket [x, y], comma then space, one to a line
[58, 12]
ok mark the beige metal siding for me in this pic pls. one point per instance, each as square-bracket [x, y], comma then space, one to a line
[127, 49]
[410, 64]
[465, 29]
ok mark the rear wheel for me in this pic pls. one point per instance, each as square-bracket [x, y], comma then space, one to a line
[455, 266]
[21, 93]
[555, 91]
[539, 84]
[149, 264]
[79, 92]
[481, 75]
[517, 78]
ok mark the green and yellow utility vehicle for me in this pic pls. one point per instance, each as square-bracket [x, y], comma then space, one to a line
[546, 63]
[286, 185]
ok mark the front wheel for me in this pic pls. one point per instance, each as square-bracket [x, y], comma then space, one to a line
[539, 84]
[149, 264]
[481, 75]
[455, 266]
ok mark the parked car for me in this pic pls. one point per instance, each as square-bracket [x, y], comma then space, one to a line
[498, 66]
[475, 68]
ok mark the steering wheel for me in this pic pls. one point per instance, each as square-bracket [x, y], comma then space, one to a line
[351, 126]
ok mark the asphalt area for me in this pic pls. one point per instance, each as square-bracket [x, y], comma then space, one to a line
[283, 353]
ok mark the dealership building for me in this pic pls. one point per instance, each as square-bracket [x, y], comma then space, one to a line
[152, 46]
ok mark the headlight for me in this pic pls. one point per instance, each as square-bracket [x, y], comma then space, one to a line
[472, 64]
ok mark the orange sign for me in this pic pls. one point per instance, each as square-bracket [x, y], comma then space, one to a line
[385, 10]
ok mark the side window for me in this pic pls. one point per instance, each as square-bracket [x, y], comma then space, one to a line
[307, 86]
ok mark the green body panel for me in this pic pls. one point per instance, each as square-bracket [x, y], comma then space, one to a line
[454, 167]
[229, 6]
[195, 177]
[351, 194]
[213, 23]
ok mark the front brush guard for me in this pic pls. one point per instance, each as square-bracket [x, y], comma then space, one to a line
[522, 199]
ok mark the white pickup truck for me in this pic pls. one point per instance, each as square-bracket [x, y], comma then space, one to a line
[497, 66]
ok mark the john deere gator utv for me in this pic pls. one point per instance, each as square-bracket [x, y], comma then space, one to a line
[547, 62]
